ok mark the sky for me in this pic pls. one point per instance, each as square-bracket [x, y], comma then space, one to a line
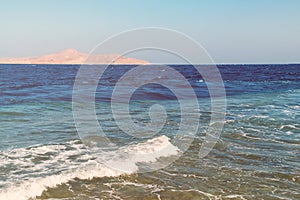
[232, 31]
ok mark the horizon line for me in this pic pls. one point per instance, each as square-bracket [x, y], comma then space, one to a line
[292, 63]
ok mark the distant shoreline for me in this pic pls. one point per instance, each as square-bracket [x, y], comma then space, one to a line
[74, 57]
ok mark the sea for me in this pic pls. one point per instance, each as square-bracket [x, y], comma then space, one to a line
[256, 155]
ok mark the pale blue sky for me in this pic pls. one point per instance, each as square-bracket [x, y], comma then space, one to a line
[232, 31]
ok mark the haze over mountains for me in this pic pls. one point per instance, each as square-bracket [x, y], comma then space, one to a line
[72, 56]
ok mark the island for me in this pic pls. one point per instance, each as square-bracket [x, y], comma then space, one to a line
[72, 56]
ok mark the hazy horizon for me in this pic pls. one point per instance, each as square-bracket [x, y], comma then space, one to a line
[171, 63]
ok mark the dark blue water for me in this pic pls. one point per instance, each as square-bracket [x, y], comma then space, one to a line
[256, 157]
[27, 83]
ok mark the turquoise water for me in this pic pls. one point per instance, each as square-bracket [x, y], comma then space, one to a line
[256, 157]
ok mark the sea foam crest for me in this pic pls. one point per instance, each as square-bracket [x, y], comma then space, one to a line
[130, 155]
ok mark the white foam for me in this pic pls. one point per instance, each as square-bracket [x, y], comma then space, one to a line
[126, 158]
[263, 117]
[35, 186]
[291, 126]
[36, 182]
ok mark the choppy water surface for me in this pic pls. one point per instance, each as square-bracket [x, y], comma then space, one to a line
[256, 157]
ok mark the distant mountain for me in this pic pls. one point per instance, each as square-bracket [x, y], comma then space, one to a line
[72, 56]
